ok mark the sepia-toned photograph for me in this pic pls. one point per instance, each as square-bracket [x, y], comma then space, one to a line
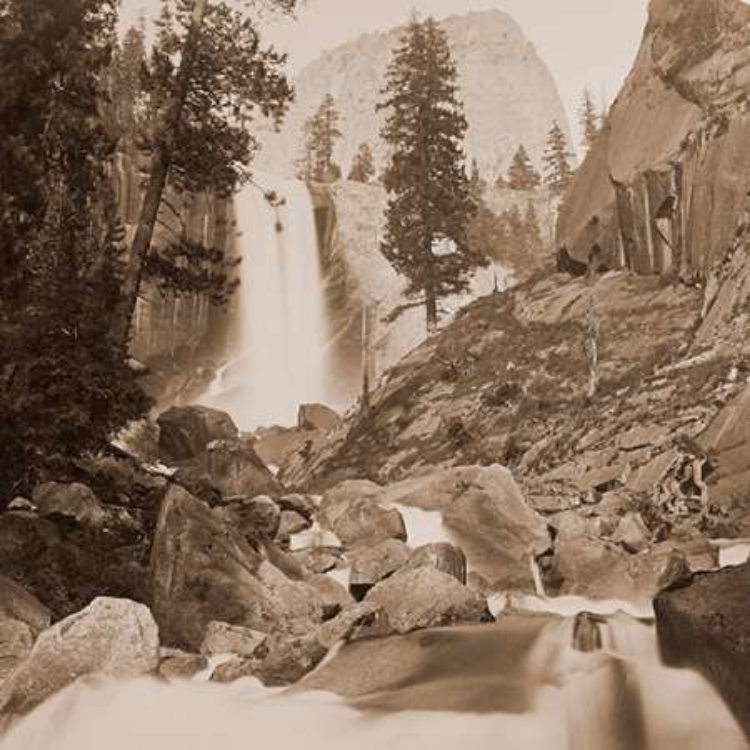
[374, 375]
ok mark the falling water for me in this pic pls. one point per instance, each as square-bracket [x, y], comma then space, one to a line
[282, 358]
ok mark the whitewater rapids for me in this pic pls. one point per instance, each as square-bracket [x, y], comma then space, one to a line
[520, 684]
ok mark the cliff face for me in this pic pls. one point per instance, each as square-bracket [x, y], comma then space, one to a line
[165, 326]
[665, 188]
[508, 92]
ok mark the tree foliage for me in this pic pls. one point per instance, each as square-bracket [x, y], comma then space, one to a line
[557, 156]
[64, 386]
[321, 133]
[363, 165]
[430, 202]
[589, 121]
[521, 174]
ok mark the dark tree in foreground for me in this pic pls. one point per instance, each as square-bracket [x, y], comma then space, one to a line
[321, 132]
[363, 165]
[64, 386]
[429, 203]
[522, 175]
[557, 156]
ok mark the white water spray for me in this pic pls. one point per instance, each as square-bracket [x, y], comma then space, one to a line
[282, 359]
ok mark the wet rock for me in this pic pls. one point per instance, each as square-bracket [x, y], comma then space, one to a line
[352, 514]
[632, 533]
[113, 637]
[370, 565]
[234, 467]
[257, 518]
[702, 623]
[317, 417]
[222, 638]
[442, 556]
[203, 570]
[182, 666]
[74, 500]
[185, 431]
[426, 597]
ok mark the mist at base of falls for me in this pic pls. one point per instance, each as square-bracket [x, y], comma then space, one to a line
[283, 354]
[519, 684]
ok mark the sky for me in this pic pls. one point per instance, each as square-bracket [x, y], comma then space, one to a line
[585, 43]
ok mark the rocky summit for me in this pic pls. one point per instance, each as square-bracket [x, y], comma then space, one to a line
[509, 94]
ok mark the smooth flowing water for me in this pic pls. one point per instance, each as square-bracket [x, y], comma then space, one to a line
[283, 358]
[526, 683]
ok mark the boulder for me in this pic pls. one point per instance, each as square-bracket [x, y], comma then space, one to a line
[140, 439]
[112, 637]
[222, 638]
[632, 533]
[333, 594]
[371, 565]
[185, 431]
[16, 641]
[234, 467]
[352, 512]
[318, 559]
[180, 665]
[305, 505]
[276, 445]
[317, 417]
[18, 604]
[74, 500]
[442, 556]
[426, 597]
[257, 518]
[292, 523]
[203, 569]
[703, 623]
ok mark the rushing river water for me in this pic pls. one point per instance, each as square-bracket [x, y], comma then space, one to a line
[526, 683]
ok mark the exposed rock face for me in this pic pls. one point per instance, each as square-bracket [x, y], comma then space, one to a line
[317, 417]
[425, 597]
[76, 501]
[664, 190]
[703, 623]
[509, 94]
[113, 637]
[235, 468]
[203, 571]
[185, 431]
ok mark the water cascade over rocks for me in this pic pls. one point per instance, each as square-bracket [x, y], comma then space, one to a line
[544, 683]
[283, 357]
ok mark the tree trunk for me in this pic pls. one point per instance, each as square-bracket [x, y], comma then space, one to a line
[431, 308]
[159, 173]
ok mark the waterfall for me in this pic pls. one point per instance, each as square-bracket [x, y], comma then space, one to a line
[282, 357]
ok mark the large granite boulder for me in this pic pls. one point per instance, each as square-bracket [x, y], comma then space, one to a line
[112, 637]
[234, 467]
[75, 500]
[257, 518]
[352, 512]
[370, 565]
[704, 623]
[204, 569]
[317, 417]
[487, 514]
[185, 431]
[445, 557]
[426, 597]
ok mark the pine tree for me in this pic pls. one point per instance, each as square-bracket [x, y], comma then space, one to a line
[65, 385]
[522, 175]
[430, 203]
[363, 165]
[321, 132]
[207, 80]
[126, 105]
[557, 157]
[589, 121]
[533, 243]
[477, 184]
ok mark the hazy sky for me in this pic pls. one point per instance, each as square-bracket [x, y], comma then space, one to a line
[584, 42]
